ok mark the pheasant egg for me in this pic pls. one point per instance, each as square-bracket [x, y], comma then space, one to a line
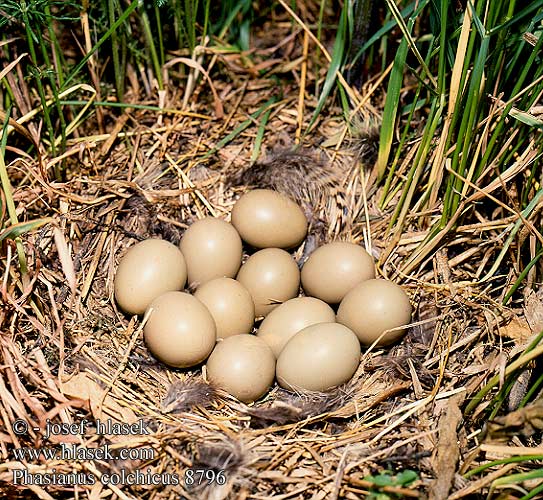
[242, 365]
[334, 269]
[291, 317]
[266, 218]
[180, 330]
[271, 276]
[212, 249]
[318, 358]
[373, 307]
[147, 270]
[230, 304]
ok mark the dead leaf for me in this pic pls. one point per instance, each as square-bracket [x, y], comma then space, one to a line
[533, 310]
[448, 451]
[519, 389]
[302, 472]
[81, 386]
[517, 329]
[525, 421]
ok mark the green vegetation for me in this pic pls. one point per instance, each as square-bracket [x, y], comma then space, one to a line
[477, 70]
[386, 482]
[100, 41]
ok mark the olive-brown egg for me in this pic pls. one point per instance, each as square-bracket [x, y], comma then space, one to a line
[212, 249]
[373, 307]
[180, 330]
[334, 269]
[318, 358]
[291, 317]
[230, 304]
[266, 219]
[147, 270]
[271, 276]
[243, 366]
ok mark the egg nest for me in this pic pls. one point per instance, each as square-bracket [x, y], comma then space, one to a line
[70, 356]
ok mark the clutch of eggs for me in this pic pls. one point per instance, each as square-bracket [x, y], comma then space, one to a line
[311, 342]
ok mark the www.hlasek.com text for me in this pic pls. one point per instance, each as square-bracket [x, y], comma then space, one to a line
[74, 452]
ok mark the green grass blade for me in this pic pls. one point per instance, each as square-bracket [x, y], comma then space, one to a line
[520, 79]
[379, 34]
[533, 494]
[16, 230]
[241, 127]
[118, 68]
[8, 194]
[531, 392]
[260, 135]
[406, 31]
[525, 214]
[526, 118]
[501, 461]
[335, 66]
[150, 43]
[519, 16]
[519, 478]
[531, 352]
[390, 111]
[521, 277]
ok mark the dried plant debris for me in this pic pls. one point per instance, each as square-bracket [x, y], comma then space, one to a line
[525, 421]
[217, 467]
[146, 220]
[448, 452]
[223, 454]
[400, 362]
[291, 407]
[183, 395]
[534, 309]
[303, 174]
[407, 456]
[427, 315]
